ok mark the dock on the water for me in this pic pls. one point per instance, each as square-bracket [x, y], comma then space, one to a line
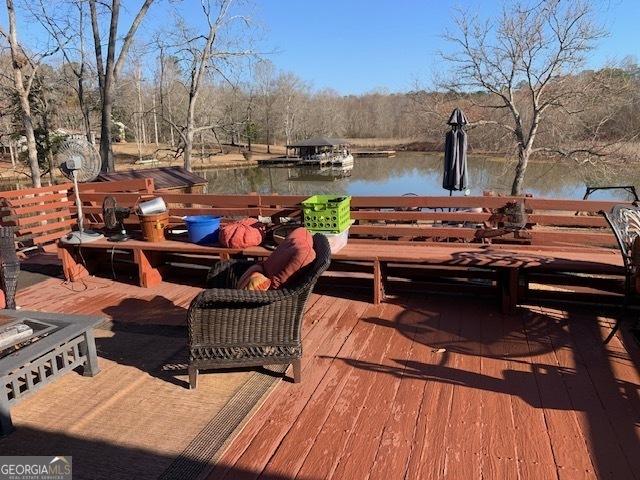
[279, 162]
[293, 162]
[374, 153]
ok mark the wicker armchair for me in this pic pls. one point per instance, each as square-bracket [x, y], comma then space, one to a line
[624, 220]
[237, 328]
[9, 266]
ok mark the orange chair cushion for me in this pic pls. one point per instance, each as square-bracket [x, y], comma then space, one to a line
[245, 233]
[293, 254]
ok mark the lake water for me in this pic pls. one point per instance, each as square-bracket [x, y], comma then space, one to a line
[419, 173]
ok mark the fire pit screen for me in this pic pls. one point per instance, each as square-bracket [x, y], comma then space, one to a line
[16, 334]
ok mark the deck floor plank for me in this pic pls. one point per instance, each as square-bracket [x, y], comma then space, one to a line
[618, 397]
[397, 440]
[332, 439]
[498, 429]
[602, 443]
[563, 429]
[334, 328]
[298, 441]
[364, 441]
[277, 415]
[464, 438]
[428, 457]
[533, 444]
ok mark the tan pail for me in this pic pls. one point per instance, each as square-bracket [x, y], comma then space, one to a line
[153, 226]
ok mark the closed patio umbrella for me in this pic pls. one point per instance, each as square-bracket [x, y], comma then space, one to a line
[455, 153]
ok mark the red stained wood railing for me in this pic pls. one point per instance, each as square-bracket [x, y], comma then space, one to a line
[42, 215]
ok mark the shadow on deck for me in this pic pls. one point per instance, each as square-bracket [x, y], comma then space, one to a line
[435, 387]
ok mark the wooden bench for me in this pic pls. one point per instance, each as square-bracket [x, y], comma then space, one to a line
[439, 234]
[41, 216]
[147, 256]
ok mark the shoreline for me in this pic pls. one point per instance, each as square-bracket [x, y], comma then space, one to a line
[127, 157]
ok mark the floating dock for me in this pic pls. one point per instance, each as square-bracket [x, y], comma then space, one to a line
[374, 153]
[279, 162]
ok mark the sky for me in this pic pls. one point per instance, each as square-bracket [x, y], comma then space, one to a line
[358, 46]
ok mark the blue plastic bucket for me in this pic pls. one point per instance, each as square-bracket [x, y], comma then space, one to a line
[203, 229]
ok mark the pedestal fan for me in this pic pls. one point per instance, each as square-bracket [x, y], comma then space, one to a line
[79, 162]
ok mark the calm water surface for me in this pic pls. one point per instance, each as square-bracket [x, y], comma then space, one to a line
[419, 173]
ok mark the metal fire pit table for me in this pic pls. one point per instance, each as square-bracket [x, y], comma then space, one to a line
[59, 343]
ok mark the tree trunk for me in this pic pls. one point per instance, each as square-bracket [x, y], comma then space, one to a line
[521, 168]
[143, 130]
[215, 135]
[23, 95]
[45, 124]
[86, 117]
[268, 141]
[188, 143]
[84, 108]
[106, 153]
[31, 143]
[12, 154]
[188, 147]
[155, 118]
[171, 134]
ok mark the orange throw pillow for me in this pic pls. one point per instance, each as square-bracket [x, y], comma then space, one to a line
[257, 281]
[245, 233]
[295, 253]
[244, 279]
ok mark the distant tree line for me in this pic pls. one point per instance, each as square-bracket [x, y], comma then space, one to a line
[521, 81]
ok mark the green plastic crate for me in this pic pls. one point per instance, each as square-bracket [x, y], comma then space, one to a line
[327, 213]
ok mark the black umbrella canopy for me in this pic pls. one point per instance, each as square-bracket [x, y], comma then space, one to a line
[455, 153]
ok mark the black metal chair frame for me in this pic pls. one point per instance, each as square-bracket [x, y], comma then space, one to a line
[624, 220]
[230, 328]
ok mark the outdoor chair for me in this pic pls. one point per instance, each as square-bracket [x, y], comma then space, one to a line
[9, 266]
[624, 220]
[229, 327]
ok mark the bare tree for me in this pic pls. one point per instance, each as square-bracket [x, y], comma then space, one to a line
[200, 53]
[24, 71]
[267, 91]
[526, 62]
[69, 37]
[108, 72]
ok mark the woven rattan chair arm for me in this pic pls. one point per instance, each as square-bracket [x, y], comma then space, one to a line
[218, 297]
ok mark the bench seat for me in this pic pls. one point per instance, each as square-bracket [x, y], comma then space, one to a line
[509, 262]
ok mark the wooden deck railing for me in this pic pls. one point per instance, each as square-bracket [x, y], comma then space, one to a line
[551, 221]
[41, 216]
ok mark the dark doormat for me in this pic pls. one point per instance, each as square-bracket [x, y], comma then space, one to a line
[38, 268]
[203, 451]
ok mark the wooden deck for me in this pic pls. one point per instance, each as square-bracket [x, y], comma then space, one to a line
[419, 388]
[444, 388]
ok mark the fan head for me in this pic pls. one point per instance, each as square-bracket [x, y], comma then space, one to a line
[109, 206]
[112, 214]
[76, 154]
